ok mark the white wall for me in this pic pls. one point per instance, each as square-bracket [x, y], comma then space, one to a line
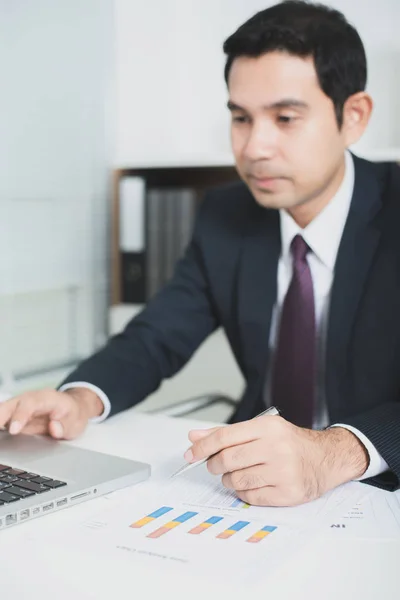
[171, 95]
[55, 145]
[377, 21]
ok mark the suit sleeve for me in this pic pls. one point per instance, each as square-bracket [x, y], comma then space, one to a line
[162, 338]
[381, 425]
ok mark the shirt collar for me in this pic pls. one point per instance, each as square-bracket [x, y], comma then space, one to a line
[331, 220]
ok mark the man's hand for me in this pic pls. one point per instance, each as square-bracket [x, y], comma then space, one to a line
[63, 415]
[270, 462]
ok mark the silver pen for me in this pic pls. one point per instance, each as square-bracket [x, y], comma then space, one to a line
[272, 410]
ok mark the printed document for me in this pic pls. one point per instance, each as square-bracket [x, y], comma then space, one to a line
[192, 522]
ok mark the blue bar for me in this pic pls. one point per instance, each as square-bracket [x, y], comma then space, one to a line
[160, 512]
[239, 525]
[214, 520]
[236, 503]
[269, 528]
[185, 517]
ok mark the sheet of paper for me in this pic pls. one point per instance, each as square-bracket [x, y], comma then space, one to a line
[375, 516]
[193, 523]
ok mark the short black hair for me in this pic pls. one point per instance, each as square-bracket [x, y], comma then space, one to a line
[306, 29]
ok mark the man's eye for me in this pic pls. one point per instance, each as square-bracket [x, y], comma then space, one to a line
[240, 119]
[286, 119]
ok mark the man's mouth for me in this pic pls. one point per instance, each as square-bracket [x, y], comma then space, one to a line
[265, 181]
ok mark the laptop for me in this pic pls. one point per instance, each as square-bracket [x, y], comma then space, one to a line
[39, 475]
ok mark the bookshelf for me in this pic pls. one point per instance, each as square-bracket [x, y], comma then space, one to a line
[197, 179]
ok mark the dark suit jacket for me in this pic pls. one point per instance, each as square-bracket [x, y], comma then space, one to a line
[228, 278]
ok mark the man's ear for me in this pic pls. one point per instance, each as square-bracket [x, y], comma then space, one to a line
[357, 111]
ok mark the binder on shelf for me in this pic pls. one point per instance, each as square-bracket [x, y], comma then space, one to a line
[170, 216]
[132, 239]
[155, 220]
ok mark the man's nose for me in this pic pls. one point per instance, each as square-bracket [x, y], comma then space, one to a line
[261, 144]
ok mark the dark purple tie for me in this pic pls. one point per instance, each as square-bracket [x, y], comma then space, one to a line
[294, 372]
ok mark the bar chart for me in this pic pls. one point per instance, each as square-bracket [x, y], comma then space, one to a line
[221, 527]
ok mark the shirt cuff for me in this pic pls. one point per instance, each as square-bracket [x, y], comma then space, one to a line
[103, 397]
[377, 464]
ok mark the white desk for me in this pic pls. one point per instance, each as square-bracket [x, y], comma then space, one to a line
[349, 569]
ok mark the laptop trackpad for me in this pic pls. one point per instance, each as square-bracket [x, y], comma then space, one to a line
[24, 451]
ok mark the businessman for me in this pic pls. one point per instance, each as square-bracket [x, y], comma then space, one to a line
[299, 263]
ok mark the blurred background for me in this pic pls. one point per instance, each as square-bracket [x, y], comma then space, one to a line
[113, 120]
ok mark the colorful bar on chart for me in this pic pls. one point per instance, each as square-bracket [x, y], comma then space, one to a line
[206, 525]
[172, 524]
[232, 530]
[154, 515]
[260, 535]
[239, 504]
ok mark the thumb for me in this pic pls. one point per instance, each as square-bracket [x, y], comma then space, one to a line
[67, 428]
[65, 421]
[56, 429]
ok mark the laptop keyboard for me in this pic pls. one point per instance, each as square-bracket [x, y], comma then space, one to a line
[16, 484]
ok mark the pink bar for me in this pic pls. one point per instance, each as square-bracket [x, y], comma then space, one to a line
[198, 529]
[159, 532]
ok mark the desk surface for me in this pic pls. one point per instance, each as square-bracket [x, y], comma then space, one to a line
[330, 568]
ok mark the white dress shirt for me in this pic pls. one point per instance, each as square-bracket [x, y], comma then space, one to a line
[322, 262]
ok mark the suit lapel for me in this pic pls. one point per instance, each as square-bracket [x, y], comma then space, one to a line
[356, 252]
[257, 290]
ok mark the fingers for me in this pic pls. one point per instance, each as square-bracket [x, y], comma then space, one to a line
[255, 487]
[44, 412]
[6, 410]
[272, 496]
[262, 485]
[225, 437]
[251, 478]
[28, 406]
[237, 457]
[267, 426]
[37, 426]
[266, 496]
[198, 434]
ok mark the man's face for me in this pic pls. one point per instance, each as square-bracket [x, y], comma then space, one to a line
[285, 137]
